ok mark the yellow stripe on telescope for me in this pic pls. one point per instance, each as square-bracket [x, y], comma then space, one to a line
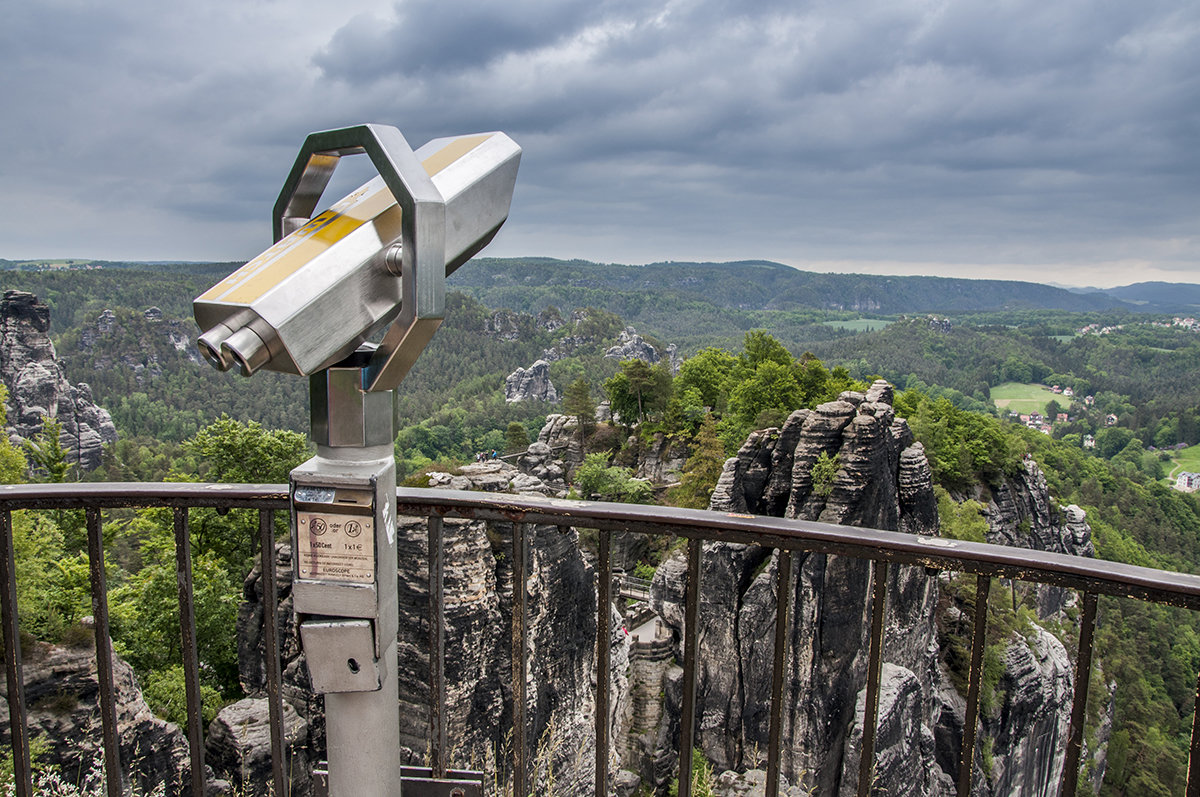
[293, 252]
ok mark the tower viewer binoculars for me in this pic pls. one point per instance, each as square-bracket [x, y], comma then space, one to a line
[377, 257]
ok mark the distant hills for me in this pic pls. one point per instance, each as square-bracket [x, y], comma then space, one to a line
[763, 285]
[1159, 294]
[532, 283]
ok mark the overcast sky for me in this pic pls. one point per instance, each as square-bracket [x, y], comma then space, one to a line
[1055, 141]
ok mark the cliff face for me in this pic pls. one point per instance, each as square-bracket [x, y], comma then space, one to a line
[560, 595]
[530, 384]
[37, 386]
[882, 481]
[63, 694]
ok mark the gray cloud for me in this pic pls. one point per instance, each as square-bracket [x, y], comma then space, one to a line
[920, 131]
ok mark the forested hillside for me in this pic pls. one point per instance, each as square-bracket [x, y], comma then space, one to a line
[756, 349]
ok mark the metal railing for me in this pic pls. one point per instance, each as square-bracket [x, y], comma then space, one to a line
[1090, 577]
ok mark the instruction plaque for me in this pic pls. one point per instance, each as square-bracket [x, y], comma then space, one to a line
[335, 547]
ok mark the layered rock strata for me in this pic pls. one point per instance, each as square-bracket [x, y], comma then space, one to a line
[62, 693]
[478, 591]
[38, 388]
[881, 481]
[530, 384]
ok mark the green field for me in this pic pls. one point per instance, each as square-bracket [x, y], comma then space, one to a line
[1023, 399]
[1186, 459]
[859, 324]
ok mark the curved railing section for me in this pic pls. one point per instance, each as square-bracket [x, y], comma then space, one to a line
[1091, 578]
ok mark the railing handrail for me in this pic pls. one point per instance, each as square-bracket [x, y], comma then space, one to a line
[1091, 577]
[996, 561]
[939, 553]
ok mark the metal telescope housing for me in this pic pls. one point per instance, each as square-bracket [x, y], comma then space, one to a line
[377, 257]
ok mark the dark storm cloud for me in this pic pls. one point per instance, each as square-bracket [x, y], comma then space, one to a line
[922, 131]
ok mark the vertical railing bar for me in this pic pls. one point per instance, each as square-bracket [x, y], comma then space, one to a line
[603, 657]
[266, 546]
[1193, 771]
[191, 659]
[104, 655]
[1083, 677]
[22, 775]
[866, 763]
[691, 650]
[966, 758]
[519, 665]
[438, 746]
[783, 600]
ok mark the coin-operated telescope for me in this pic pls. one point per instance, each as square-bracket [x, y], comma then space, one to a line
[376, 260]
[379, 255]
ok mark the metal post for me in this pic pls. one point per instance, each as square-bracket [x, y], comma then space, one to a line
[866, 762]
[344, 505]
[12, 660]
[104, 656]
[266, 537]
[783, 600]
[966, 759]
[520, 671]
[439, 747]
[603, 657]
[691, 667]
[191, 660]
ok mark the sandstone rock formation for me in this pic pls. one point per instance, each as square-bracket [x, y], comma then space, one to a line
[882, 482]
[238, 748]
[560, 594]
[37, 387]
[632, 346]
[530, 384]
[63, 693]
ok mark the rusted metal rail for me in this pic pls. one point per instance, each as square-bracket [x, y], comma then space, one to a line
[1091, 578]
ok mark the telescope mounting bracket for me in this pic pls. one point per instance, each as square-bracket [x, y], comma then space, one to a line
[422, 239]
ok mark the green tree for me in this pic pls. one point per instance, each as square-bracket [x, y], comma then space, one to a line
[48, 460]
[597, 480]
[639, 390]
[709, 373]
[770, 388]
[516, 438]
[577, 402]
[824, 473]
[701, 470]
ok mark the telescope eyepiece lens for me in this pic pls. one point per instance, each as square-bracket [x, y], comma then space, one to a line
[247, 349]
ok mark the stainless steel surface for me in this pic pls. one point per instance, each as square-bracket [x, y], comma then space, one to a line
[340, 655]
[330, 282]
[344, 414]
[362, 727]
